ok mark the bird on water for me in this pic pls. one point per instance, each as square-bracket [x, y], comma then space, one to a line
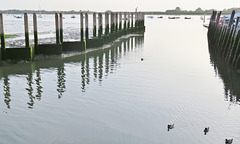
[170, 126]
[206, 130]
[228, 141]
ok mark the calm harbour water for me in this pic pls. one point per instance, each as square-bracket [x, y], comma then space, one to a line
[110, 96]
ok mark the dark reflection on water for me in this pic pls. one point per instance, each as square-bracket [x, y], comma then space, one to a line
[229, 76]
[38, 83]
[61, 81]
[96, 65]
[6, 89]
[30, 90]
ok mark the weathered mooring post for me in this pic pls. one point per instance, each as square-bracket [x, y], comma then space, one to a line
[81, 27]
[57, 28]
[86, 26]
[112, 23]
[131, 20]
[35, 30]
[106, 23]
[100, 28]
[61, 27]
[116, 21]
[3, 44]
[120, 21]
[94, 25]
[125, 21]
[26, 30]
[128, 25]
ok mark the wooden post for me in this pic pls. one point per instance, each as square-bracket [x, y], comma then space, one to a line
[218, 17]
[26, 30]
[3, 44]
[132, 20]
[116, 21]
[128, 26]
[237, 21]
[112, 22]
[57, 28]
[100, 25]
[86, 26]
[120, 21]
[136, 19]
[61, 27]
[143, 19]
[125, 21]
[35, 30]
[81, 27]
[106, 23]
[94, 25]
[231, 18]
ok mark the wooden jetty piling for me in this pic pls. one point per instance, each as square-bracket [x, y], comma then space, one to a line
[125, 21]
[61, 27]
[57, 28]
[106, 23]
[3, 45]
[224, 39]
[113, 30]
[112, 23]
[120, 21]
[128, 20]
[132, 20]
[81, 27]
[86, 27]
[100, 27]
[26, 30]
[116, 22]
[35, 30]
[94, 25]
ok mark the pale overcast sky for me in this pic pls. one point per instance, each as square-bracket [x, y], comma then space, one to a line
[117, 5]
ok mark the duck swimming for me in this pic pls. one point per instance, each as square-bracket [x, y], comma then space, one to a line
[206, 130]
[170, 126]
[228, 141]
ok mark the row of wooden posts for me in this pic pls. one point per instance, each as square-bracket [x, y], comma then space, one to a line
[224, 38]
[120, 24]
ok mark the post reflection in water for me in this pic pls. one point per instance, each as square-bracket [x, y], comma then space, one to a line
[6, 89]
[38, 83]
[30, 90]
[61, 81]
[229, 76]
[100, 63]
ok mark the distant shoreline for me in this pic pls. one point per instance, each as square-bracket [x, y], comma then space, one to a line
[90, 12]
